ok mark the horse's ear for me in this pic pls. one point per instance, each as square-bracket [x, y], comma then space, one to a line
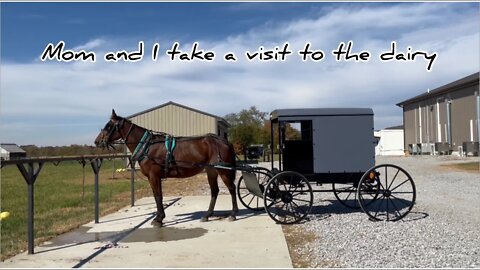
[114, 115]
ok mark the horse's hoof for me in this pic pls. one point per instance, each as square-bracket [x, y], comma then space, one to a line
[232, 218]
[158, 222]
[204, 219]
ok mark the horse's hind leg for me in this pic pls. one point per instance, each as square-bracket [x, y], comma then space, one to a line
[212, 181]
[229, 180]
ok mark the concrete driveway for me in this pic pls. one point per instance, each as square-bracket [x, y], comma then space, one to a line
[129, 239]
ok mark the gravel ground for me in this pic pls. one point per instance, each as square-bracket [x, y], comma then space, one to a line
[443, 229]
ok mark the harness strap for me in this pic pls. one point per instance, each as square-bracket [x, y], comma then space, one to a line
[170, 143]
[142, 147]
[128, 132]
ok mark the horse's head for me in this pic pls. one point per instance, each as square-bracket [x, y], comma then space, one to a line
[111, 132]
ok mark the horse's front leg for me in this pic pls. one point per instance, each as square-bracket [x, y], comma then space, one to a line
[212, 181]
[160, 211]
[156, 185]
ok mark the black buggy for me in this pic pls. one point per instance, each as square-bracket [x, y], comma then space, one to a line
[325, 146]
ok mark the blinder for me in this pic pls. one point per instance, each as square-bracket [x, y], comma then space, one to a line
[110, 128]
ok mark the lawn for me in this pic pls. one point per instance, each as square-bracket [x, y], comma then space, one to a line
[62, 202]
[468, 166]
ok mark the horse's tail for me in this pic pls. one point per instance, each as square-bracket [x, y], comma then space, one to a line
[233, 173]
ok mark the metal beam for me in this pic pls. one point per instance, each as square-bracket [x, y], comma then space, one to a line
[59, 159]
[30, 174]
[96, 165]
[132, 181]
[30, 169]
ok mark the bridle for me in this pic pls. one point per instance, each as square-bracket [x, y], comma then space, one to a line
[117, 127]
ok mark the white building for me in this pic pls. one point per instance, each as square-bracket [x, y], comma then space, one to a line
[390, 141]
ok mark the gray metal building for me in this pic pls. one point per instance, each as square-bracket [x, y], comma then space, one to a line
[444, 120]
[180, 120]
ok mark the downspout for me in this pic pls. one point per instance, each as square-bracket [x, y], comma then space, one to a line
[478, 116]
[449, 123]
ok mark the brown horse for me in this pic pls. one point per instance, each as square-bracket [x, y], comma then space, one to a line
[190, 156]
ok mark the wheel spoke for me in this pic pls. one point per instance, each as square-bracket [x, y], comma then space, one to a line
[403, 192]
[378, 208]
[389, 186]
[299, 193]
[386, 180]
[400, 185]
[349, 195]
[275, 201]
[243, 197]
[394, 206]
[293, 212]
[388, 217]
[344, 190]
[299, 208]
[401, 200]
[355, 199]
[296, 187]
[380, 182]
[302, 200]
[253, 197]
[373, 194]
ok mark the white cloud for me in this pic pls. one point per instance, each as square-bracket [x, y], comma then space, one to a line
[90, 45]
[89, 90]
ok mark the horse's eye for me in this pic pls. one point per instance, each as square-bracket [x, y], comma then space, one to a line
[107, 126]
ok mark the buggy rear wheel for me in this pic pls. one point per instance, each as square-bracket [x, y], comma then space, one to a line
[386, 192]
[288, 197]
[346, 194]
[248, 198]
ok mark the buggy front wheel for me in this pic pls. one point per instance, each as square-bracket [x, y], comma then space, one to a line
[288, 197]
[247, 197]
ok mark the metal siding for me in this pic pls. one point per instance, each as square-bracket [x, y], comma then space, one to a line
[337, 149]
[409, 125]
[463, 109]
[177, 121]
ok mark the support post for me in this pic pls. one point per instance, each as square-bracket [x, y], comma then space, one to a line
[113, 168]
[96, 164]
[132, 182]
[30, 176]
[271, 142]
[281, 134]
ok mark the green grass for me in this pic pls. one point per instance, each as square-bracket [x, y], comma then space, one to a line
[468, 166]
[59, 204]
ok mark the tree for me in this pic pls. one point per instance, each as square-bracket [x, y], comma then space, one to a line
[247, 127]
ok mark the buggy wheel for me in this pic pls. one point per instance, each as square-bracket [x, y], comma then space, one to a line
[247, 198]
[346, 194]
[386, 192]
[288, 197]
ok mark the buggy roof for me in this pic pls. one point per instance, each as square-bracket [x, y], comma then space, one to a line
[313, 112]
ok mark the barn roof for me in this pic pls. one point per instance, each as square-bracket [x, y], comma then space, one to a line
[12, 148]
[395, 127]
[220, 119]
[447, 88]
[320, 112]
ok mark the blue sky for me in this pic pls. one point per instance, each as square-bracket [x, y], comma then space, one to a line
[58, 103]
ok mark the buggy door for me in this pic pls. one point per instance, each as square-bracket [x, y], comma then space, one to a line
[297, 150]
